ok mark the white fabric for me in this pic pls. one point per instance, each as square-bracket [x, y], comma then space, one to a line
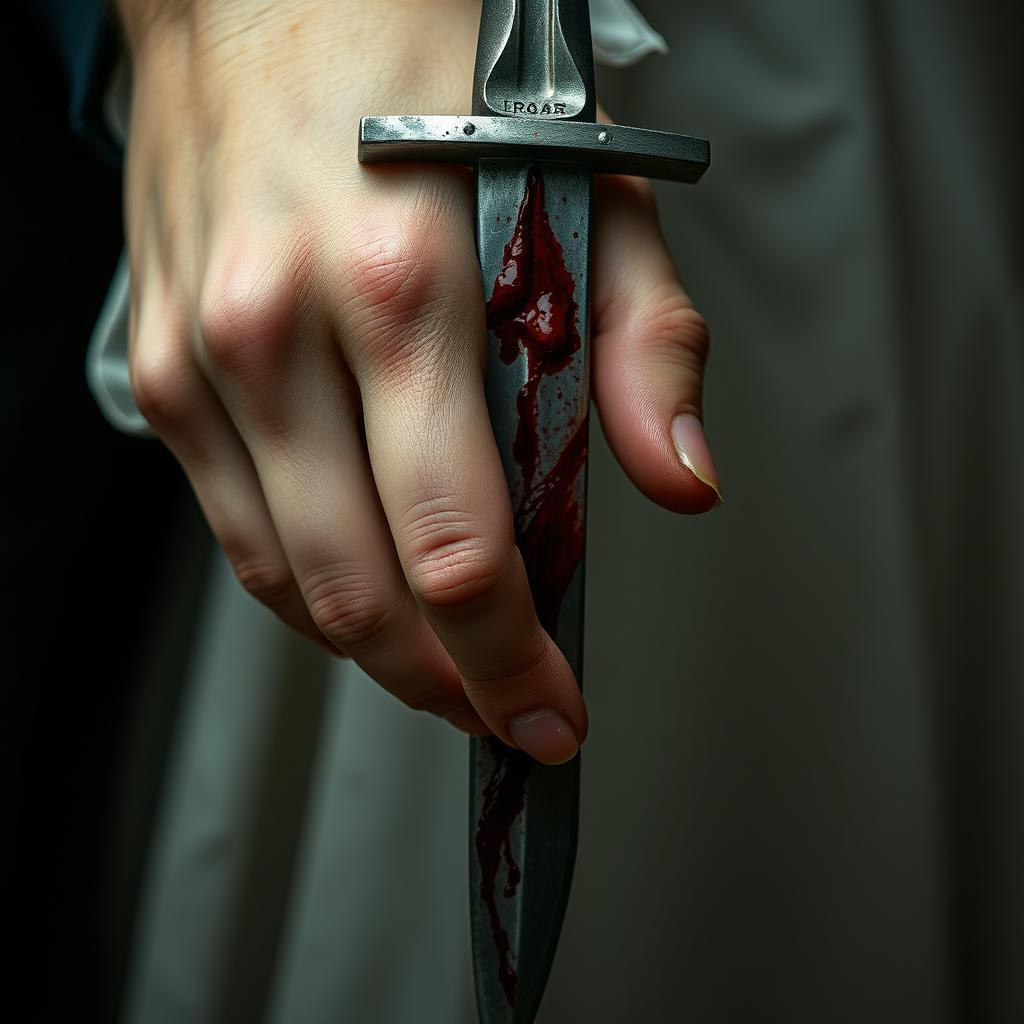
[106, 360]
[621, 34]
[621, 37]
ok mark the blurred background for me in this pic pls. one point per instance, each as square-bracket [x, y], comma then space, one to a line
[803, 790]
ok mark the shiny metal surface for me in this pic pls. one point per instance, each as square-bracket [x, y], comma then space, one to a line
[543, 837]
[535, 52]
[615, 149]
[533, 105]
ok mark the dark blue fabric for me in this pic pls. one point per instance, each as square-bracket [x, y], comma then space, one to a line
[86, 39]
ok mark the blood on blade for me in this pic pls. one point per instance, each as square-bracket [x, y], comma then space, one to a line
[532, 309]
[503, 799]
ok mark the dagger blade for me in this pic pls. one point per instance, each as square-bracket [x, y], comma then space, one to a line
[533, 238]
[533, 100]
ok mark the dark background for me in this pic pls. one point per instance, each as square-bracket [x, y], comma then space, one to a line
[92, 519]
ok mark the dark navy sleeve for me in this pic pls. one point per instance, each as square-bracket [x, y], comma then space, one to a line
[86, 38]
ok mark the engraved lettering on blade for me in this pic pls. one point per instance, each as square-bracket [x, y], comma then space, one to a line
[541, 109]
[534, 65]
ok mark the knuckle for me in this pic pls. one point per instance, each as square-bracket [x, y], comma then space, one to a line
[241, 323]
[399, 286]
[393, 277]
[161, 386]
[347, 606]
[675, 327]
[529, 658]
[269, 582]
[249, 305]
[450, 563]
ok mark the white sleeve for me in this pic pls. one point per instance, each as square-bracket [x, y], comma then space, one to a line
[621, 34]
[106, 359]
[622, 37]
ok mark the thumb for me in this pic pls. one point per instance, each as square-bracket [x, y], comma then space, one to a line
[649, 352]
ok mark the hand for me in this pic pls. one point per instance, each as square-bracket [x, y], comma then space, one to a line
[307, 336]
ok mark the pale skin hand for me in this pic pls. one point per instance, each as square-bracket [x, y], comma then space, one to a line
[307, 336]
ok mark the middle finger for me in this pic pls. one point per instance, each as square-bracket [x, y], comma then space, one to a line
[293, 400]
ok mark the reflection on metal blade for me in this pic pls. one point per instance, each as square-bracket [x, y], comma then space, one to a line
[533, 236]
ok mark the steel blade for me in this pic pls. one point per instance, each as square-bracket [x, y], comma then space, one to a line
[534, 140]
[533, 233]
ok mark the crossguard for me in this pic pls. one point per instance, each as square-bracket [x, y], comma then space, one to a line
[605, 148]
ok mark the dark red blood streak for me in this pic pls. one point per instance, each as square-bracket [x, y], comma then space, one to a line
[550, 533]
[532, 310]
[503, 799]
[533, 306]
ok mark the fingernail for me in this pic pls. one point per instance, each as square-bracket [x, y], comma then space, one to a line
[545, 735]
[692, 448]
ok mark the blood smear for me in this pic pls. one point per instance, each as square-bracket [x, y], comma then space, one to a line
[532, 310]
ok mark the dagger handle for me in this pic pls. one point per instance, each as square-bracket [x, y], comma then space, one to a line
[535, 52]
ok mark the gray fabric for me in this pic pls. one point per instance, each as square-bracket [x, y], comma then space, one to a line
[312, 837]
[801, 792]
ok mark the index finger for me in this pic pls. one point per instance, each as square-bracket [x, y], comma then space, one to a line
[445, 496]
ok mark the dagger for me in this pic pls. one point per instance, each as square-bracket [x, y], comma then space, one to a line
[533, 140]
